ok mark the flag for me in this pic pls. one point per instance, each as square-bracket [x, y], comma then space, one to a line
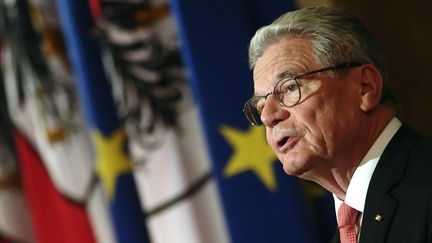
[15, 221]
[260, 202]
[50, 196]
[171, 163]
[108, 135]
[45, 109]
[55, 218]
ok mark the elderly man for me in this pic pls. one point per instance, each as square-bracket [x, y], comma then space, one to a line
[322, 92]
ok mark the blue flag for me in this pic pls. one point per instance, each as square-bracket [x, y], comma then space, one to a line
[261, 203]
[112, 164]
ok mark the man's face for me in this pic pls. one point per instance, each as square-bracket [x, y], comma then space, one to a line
[313, 137]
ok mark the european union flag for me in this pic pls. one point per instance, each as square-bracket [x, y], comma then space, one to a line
[261, 203]
[112, 166]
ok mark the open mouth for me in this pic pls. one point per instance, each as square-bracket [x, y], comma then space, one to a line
[286, 143]
[282, 142]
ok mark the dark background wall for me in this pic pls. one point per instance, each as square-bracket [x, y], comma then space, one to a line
[404, 30]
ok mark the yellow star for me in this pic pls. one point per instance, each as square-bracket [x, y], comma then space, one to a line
[111, 160]
[251, 152]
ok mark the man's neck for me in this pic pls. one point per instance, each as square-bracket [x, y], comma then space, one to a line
[339, 177]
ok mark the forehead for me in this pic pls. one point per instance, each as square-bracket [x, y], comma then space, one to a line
[294, 55]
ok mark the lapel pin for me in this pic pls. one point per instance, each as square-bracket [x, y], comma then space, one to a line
[378, 218]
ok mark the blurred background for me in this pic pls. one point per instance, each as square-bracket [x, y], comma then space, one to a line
[121, 120]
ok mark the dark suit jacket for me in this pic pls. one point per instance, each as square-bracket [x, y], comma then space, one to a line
[400, 191]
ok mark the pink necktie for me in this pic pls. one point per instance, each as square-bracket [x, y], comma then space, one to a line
[347, 220]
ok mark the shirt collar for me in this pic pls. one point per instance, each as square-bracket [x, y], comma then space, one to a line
[357, 189]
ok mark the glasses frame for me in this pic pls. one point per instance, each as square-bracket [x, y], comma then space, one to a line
[248, 107]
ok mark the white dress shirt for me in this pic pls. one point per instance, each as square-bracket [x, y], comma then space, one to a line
[357, 189]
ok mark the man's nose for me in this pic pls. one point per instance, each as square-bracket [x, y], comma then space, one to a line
[273, 112]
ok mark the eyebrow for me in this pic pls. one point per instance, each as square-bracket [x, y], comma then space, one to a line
[280, 76]
[286, 74]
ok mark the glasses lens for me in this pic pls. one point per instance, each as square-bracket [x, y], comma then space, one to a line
[252, 113]
[288, 92]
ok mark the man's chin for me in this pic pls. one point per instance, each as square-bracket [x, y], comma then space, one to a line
[294, 168]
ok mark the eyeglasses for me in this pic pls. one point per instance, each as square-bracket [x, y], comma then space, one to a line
[286, 91]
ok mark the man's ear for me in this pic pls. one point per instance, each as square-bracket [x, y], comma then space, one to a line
[371, 87]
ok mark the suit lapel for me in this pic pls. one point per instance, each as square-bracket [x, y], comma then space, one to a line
[380, 205]
[377, 218]
[336, 237]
